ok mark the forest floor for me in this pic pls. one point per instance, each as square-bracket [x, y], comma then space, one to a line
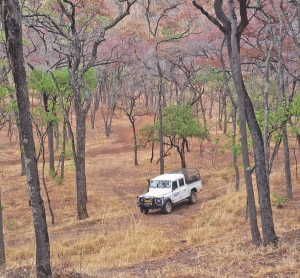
[113, 184]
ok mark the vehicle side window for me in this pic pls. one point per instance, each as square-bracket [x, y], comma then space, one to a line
[181, 182]
[174, 185]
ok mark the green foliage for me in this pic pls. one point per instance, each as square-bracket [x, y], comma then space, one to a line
[179, 123]
[62, 78]
[279, 199]
[2, 36]
[104, 19]
[3, 92]
[255, 85]
[90, 78]
[224, 176]
[295, 113]
[11, 106]
[235, 147]
[58, 180]
[148, 132]
[276, 119]
[68, 151]
[170, 32]
[212, 77]
[10, 223]
[41, 81]
[216, 141]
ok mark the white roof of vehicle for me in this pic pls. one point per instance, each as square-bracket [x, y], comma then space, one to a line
[169, 177]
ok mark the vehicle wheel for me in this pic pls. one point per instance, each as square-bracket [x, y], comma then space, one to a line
[144, 210]
[193, 197]
[167, 209]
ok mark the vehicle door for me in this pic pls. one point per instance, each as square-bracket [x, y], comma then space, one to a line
[183, 189]
[175, 192]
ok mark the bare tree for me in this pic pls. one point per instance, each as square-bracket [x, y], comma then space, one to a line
[232, 32]
[2, 246]
[155, 22]
[70, 23]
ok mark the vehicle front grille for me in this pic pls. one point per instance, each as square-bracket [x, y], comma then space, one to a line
[148, 201]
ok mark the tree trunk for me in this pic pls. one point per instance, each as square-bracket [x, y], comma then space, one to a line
[224, 107]
[182, 153]
[279, 43]
[134, 141]
[161, 143]
[23, 168]
[2, 246]
[234, 55]
[63, 155]
[287, 165]
[261, 175]
[13, 31]
[234, 155]
[234, 121]
[49, 134]
[46, 189]
[51, 148]
[80, 166]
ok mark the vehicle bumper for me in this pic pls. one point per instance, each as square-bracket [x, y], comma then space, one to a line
[147, 206]
[150, 203]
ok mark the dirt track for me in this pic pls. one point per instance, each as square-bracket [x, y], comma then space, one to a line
[105, 162]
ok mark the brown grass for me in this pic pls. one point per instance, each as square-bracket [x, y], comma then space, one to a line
[209, 239]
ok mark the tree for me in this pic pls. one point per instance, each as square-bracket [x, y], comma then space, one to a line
[43, 82]
[76, 31]
[232, 32]
[109, 90]
[2, 246]
[14, 44]
[162, 31]
[178, 124]
[128, 103]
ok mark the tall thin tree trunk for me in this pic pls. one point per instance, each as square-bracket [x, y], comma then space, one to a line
[233, 35]
[23, 168]
[14, 46]
[51, 147]
[63, 155]
[2, 246]
[280, 36]
[234, 155]
[161, 143]
[80, 167]
[135, 142]
[287, 164]
[46, 189]
[238, 83]
[234, 121]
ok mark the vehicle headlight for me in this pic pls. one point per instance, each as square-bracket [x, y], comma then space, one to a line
[141, 200]
[158, 200]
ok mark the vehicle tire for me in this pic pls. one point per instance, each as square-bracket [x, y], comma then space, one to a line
[167, 209]
[144, 210]
[193, 197]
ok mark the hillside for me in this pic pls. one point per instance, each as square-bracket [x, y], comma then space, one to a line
[209, 239]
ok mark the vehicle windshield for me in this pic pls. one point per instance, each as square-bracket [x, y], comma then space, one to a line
[160, 184]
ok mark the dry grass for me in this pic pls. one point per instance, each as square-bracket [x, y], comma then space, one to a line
[210, 239]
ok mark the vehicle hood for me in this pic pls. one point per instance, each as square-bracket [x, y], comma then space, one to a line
[157, 192]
